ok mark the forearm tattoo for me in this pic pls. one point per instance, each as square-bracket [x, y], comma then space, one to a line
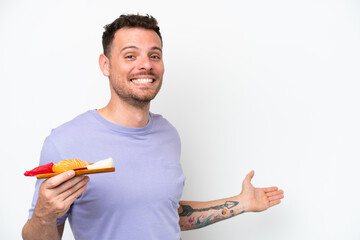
[202, 220]
[187, 210]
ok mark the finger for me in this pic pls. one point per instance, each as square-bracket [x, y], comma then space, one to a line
[69, 184]
[72, 197]
[73, 186]
[57, 180]
[273, 193]
[273, 203]
[276, 197]
[250, 175]
[270, 189]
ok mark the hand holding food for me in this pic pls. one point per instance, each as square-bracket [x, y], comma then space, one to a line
[56, 195]
[80, 167]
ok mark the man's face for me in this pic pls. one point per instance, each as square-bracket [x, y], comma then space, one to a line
[135, 65]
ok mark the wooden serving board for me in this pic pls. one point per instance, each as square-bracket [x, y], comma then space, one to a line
[78, 172]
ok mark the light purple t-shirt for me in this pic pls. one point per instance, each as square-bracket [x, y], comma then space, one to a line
[137, 201]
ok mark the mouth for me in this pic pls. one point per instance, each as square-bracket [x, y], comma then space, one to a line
[142, 80]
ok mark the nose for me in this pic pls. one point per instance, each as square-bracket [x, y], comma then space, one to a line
[145, 64]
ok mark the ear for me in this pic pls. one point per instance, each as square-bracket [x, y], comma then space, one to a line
[104, 63]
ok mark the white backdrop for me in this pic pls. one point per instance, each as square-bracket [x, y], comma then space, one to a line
[266, 85]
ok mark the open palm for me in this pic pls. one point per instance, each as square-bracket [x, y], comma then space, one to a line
[259, 199]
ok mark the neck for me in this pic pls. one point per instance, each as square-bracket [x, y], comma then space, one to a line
[124, 114]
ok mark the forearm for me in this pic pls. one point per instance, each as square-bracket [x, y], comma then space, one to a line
[195, 215]
[37, 229]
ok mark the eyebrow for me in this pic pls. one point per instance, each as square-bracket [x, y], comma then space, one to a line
[135, 47]
[156, 48]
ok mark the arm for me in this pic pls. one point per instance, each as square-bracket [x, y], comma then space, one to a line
[195, 215]
[56, 195]
[60, 229]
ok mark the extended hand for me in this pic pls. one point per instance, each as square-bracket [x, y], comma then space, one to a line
[259, 199]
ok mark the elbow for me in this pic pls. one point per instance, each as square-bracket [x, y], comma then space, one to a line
[24, 231]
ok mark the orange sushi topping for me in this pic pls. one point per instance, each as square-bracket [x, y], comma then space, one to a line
[68, 164]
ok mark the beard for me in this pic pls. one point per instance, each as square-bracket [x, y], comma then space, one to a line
[131, 97]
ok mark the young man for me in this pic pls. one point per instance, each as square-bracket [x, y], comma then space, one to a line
[141, 200]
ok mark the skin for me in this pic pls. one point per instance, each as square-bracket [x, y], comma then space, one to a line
[56, 195]
[135, 54]
[250, 199]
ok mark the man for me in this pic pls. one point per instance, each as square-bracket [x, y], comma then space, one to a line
[141, 200]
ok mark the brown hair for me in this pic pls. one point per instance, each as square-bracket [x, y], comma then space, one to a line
[130, 21]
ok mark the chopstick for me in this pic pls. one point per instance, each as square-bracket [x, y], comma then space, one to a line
[79, 171]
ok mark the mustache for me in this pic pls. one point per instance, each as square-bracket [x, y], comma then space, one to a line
[142, 73]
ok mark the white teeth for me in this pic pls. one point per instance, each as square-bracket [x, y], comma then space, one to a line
[142, 80]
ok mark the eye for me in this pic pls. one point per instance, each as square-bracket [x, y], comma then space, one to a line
[130, 57]
[157, 57]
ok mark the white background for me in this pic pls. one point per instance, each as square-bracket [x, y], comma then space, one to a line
[266, 85]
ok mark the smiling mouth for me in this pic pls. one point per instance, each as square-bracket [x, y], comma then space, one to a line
[142, 80]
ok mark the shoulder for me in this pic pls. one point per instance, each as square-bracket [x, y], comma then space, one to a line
[164, 129]
[79, 122]
[73, 131]
[160, 122]
[72, 125]
[64, 139]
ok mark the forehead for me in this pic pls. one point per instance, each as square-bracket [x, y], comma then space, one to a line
[139, 37]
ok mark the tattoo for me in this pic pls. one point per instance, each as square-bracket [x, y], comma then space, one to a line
[187, 210]
[203, 224]
[203, 221]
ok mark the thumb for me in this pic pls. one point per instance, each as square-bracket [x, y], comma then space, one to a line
[250, 175]
[248, 178]
[246, 185]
